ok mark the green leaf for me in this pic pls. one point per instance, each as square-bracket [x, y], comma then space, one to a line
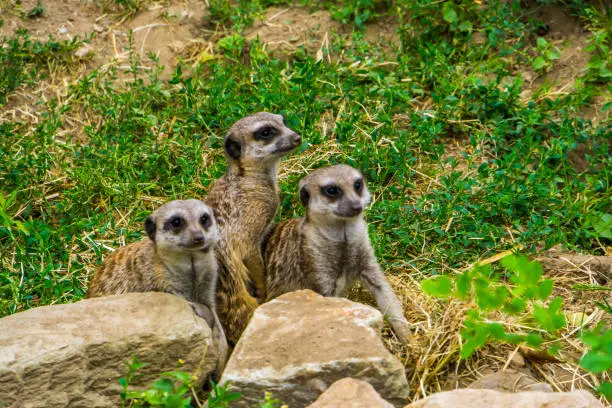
[545, 289]
[449, 14]
[438, 286]
[463, 285]
[465, 26]
[163, 384]
[515, 306]
[602, 224]
[488, 299]
[541, 43]
[539, 63]
[550, 318]
[533, 340]
[596, 362]
[606, 389]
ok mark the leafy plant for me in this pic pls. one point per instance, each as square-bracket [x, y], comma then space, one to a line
[525, 295]
[37, 11]
[598, 359]
[174, 389]
[357, 11]
[547, 53]
[598, 68]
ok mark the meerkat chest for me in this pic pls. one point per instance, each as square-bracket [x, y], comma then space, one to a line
[339, 257]
[185, 272]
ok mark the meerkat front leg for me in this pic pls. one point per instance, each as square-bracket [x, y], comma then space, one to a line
[257, 271]
[374, 279]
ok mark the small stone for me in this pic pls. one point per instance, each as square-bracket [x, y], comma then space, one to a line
[62, 30]
[352, 393]
[509, 381]
[469, 398]
[84, 51]
[98, 28]
[517, 360]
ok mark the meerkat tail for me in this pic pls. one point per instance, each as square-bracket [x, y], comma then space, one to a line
[235, 305]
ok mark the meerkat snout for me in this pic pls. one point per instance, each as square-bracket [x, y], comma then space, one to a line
[336, 193]
[183, 225]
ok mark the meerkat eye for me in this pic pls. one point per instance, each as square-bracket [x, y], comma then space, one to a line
[358, 185]
[205, 220]
[265, 133]
[176, 222]
[331, 191]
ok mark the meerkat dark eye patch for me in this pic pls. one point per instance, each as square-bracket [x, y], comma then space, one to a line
[232, 147]
[205, 220]
[331, 191]
[304, 196]
[175, 223]
[150, 228]
[265, 133]
[358, 185]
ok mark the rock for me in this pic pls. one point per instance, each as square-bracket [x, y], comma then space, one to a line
[73, 354]
[83, 51]
[300, 343]
[516, 360]
[468, 398]
[350, 393]
[510, 381]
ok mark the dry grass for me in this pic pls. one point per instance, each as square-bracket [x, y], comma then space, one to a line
[432, 358]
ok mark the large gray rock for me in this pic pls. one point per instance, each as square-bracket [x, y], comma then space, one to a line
[350, 393]
[300, 343]
[73, 355]
[469, 398]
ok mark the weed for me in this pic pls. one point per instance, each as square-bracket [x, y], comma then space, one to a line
[547, 53]
[525, 295]
[23, 60]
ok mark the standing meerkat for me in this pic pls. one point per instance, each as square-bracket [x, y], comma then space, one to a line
[329, 249]
[246, 200]
[178, 257]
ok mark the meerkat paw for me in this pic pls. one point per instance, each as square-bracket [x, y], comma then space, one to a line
[401, 328]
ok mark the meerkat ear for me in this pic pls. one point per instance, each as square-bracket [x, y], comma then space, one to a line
[304, 196]
[232, 147]
[150, 228]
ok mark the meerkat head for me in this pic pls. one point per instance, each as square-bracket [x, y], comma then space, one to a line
[260, 138]
[336, 193]
[183, 225]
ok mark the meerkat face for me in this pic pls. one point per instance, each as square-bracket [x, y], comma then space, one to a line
[262, 137]
[336, 193]
[183, 225]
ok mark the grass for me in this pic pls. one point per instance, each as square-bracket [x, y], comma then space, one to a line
[463, 165]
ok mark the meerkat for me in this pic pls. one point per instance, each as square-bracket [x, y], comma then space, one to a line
[328, 249]
[177, 257]
[246, 200]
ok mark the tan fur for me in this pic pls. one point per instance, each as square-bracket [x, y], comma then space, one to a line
[245, 201]
[178, 260]
[329, 249]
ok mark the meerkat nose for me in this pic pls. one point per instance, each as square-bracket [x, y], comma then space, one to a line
[198, 238]
[356, 206]
[296, 138]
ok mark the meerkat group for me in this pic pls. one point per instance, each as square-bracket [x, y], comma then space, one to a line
[224, 256]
